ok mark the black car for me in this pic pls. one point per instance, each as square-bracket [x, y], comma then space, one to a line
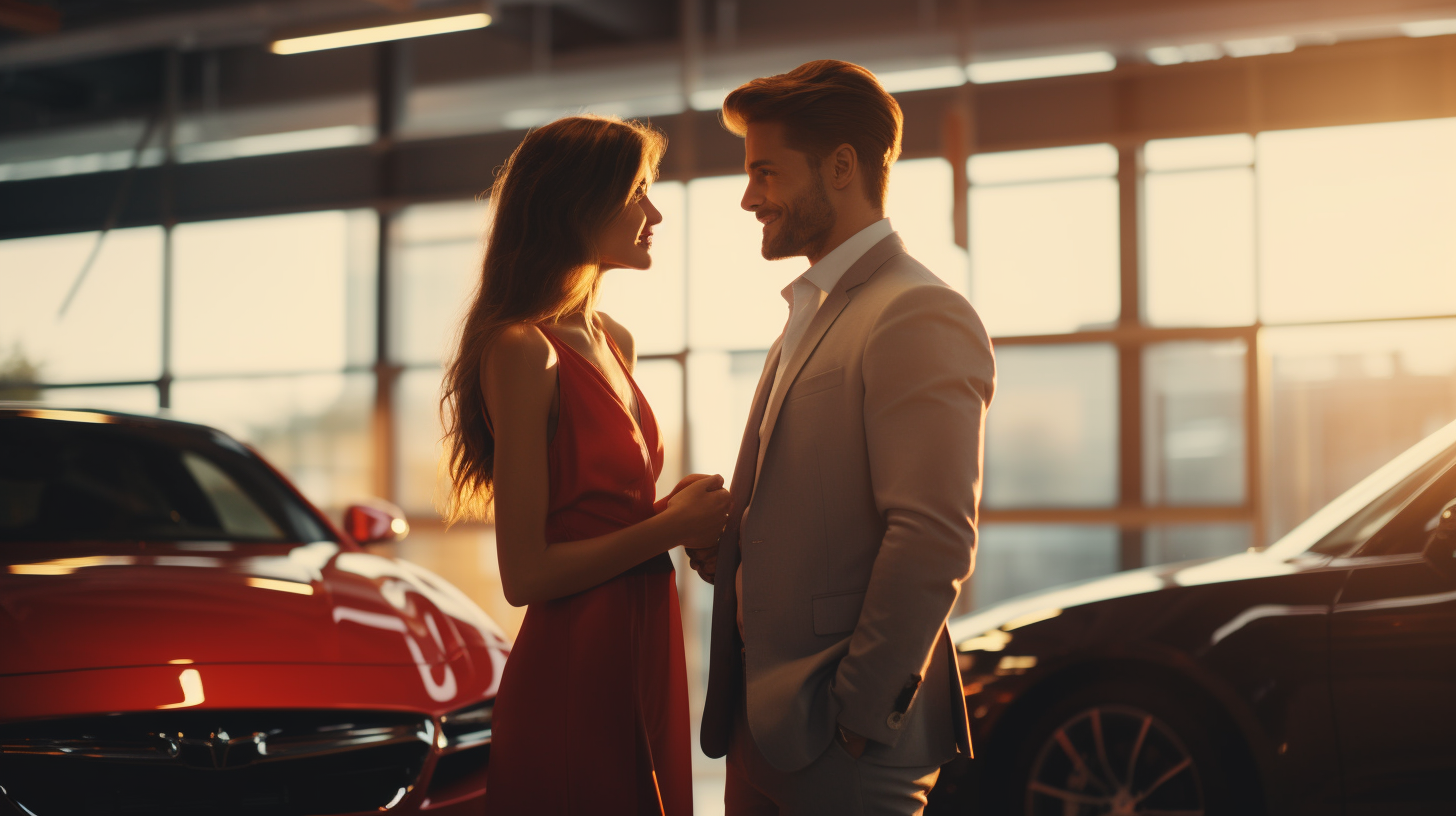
[1317, 676]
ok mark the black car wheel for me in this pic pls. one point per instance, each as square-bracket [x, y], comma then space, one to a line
[1116, 760]
[1125, 749]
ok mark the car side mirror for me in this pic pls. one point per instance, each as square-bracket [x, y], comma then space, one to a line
[1442, 547]
[375, 521]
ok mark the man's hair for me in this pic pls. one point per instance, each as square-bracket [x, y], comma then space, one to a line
[822, 105]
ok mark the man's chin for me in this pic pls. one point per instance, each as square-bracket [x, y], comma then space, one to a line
[776, 252]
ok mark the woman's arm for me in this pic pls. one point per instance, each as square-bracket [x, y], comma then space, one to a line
[520, 380]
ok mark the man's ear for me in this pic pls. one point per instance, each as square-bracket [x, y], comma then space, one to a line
[843, 166]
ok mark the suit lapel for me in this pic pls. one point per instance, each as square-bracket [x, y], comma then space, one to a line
[857, 274]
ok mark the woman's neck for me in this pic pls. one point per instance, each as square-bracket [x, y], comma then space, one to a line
[584, 320]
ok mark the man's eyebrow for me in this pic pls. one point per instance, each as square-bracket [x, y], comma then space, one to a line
[760, 163]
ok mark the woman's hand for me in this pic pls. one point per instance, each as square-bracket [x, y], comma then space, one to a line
[661, 504]
[699, 510]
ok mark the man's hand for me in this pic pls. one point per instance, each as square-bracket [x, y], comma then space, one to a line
[853, 743]
[704, 561]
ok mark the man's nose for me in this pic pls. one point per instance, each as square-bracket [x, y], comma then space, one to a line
[751, 199]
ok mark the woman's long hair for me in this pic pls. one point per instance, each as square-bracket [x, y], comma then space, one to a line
[560, 188]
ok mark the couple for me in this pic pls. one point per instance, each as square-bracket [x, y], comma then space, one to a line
[851, 521]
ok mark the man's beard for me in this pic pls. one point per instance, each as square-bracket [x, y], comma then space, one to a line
[804, 224]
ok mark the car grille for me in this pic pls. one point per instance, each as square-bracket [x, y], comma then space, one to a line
[226, 762]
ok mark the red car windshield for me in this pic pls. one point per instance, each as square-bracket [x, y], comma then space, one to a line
[62, 480]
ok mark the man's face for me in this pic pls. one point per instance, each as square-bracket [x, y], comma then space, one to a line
[786, 193]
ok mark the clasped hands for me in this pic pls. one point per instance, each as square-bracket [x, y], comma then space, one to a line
[705, 509]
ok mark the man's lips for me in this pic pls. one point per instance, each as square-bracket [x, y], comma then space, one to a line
[766, 218]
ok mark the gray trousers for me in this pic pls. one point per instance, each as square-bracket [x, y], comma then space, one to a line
[835, 784]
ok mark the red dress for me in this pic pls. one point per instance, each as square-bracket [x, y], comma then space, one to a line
[592, 712]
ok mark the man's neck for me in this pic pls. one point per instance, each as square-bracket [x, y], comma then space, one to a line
[844, 229]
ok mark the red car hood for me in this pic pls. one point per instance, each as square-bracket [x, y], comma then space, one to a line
[105, 605]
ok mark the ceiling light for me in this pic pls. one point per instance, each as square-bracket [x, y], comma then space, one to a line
[1166, 55]
[1428, 28]
[1259, 46]
[1039, 67]
[384, 33]
[922, 79]
[1201, 52]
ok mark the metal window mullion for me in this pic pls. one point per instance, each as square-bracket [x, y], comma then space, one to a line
[1129, 353]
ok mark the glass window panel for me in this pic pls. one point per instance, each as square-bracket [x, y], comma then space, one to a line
[661, 383]
[1016, 559]
[919, 206]
[1356, 222]
[437, 254]
[1193, 423]
[1012, 166]
[113, 328]
[1228, 150]
[649, 302]
[277, 294]
[1051, 436]
[1347, 399]
[720, 395]
[420, 479]
[734, 299]
[130, 399]
[1200, 245]
[1188, 542]
[1044, 257]
[315, 428]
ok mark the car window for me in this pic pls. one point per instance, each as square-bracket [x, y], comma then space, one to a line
[1410, 530]
[63, 480]
[1362, 526]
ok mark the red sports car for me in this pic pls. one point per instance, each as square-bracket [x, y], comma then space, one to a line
[182, 632]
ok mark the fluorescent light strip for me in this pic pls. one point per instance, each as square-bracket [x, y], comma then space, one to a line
[922, 79]
[1093, 62]
[1428, 28]
[385, 33]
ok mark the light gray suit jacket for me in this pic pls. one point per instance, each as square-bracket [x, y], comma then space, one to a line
[854, 517]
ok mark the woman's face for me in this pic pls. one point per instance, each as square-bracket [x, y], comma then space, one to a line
[626, 242]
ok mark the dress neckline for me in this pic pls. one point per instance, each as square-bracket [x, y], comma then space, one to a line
[606, 383]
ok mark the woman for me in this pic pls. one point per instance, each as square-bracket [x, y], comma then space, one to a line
[546, 423]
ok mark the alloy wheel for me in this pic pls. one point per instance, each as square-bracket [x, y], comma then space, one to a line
[1114, 760]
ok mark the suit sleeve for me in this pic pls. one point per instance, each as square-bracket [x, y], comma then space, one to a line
[928, 377]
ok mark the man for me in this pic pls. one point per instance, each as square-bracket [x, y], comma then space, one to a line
[833, 685]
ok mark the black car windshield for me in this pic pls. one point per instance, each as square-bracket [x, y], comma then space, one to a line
[1359, 512]
[74, 480]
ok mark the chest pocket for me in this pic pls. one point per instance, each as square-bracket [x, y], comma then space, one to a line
[823, 381]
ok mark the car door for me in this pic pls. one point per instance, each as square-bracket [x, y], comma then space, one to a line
[1393, 661]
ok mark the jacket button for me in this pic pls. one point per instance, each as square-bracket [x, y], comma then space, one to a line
[895, 720]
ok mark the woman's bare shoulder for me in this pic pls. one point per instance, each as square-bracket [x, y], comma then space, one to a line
[519, 350]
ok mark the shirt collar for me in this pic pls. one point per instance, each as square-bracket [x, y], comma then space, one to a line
[831, 267]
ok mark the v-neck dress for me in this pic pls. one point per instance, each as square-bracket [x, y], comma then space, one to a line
[592, 712]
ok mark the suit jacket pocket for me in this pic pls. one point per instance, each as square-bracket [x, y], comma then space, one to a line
[837, 612]
[822, 381]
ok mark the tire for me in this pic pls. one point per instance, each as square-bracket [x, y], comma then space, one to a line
[1119, 748]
